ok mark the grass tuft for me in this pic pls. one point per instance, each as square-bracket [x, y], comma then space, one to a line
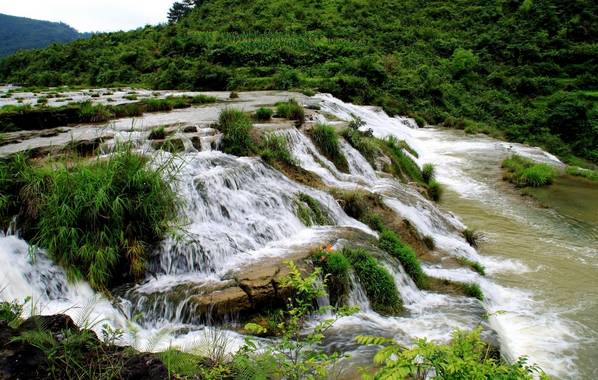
[263, 114]
[291, 110]
[311, 212]
[391, 243]
[326, 140]
[335, 266]
[472, 264]
[236, 128]
[524, 172]
[276, 148]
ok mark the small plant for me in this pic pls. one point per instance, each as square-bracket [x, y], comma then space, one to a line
[326, 140]
[291, 110]
[472, 264]
[376, 281]
[234, 95]
[335, 267]
[236, 128]
[471, 237]
[428, 173]
[402, 165]
[276, 148]
[263, 114]
[157, 133]
[203, 99]
[435, 190]
[473, 290]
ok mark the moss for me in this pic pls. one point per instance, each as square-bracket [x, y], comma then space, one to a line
[472, 264]
[391, 243]
[325, 139]
[310, 211]
[376, 281]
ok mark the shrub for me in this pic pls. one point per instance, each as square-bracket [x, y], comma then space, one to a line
[291, 110]
[523, 172]
[391, 243]
[376, 281]
[263, 114]
[326, 140]
[100, 220]
[472, 264]
[276, 148]
[428, 173]
[157, 133]
[310, 211]
[236, 128]
[335, 267]
[435, 190]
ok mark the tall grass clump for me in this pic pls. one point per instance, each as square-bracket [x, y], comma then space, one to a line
[435, 190]
[402, 164]
[326, 140]
[362, 141]
[276, 148]
[472, 264]
[157, 133]
[90, 113]
[203, 99]
[236, 128]
[471, 237]
[376, 281]
[391, 243]
[428, 173]
[263, 114]
[524, 172]
[291, 110]
[100, 220]
[335, 266]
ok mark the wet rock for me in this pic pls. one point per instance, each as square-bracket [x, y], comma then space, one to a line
[53, 323]
[144, 367]
[190, 129]
[19, 360]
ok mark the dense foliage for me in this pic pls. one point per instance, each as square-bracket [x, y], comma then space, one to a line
[18, 33]
[97, 219]
[525, 68]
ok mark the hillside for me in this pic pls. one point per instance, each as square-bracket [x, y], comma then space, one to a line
[23, 33]
[523, 70]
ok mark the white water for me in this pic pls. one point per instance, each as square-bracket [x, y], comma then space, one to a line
[239, 210]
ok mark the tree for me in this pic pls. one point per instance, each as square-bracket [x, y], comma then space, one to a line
[180, 10]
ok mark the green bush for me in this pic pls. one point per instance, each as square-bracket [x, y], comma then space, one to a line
[236, 128]
[523, 172]
[100, 220]
[310, 211]
[276, 148]
[326, 140]
[435, 190]
[263, 114]
[391, 243]
[376, 281]
[291, 110]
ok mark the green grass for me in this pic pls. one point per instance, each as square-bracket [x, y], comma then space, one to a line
[311, 212]
[402, 165]
[291, 110]
[100, 219]
[263, 114]
[367, 145]
[471, 237]
[590, 174]
[391, 243]
[335, 266]
[376, 281]
[357, 203]
[203, 99]
[428, 173]
[157, 133]
[275, 148]
[472, 264]
[524, 172]
[325, 139]
[473, 290]
[236, 128]
[435, 190]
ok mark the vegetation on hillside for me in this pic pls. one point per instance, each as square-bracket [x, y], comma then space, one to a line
[522, 68]
[18, 33]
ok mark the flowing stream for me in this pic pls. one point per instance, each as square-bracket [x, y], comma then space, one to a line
[539, 288]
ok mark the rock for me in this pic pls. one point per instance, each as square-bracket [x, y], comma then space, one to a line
[144, 366]
[196, 141]
[190, 129]
[53, 323]
[19, 360]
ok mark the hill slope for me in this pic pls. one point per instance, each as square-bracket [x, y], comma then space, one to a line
[23, 33]
[521, 68]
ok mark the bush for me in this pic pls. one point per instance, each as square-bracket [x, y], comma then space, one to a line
[291, 110]
[310, 211]
[263, 114]
[391, 243]
[276, 148]
[376, 281]
[326, 140]
[523, 172]
[236, 128]
[100, 220]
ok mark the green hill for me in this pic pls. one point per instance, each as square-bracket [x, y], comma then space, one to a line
[18, 33]
[523, 69]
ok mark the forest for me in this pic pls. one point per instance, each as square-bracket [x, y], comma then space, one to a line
[519, 70]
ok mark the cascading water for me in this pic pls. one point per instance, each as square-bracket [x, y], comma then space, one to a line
[240, 210]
